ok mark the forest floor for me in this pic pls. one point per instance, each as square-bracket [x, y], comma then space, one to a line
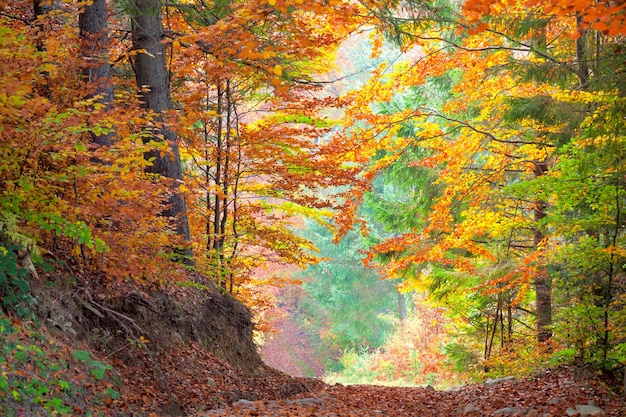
[553, 393]
[189, 381]
[186, 380]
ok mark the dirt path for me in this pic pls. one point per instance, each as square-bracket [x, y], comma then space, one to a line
[551, 394]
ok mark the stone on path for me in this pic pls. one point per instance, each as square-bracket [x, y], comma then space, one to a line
[585, 411]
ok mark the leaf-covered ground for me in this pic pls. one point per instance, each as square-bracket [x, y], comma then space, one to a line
[46, 372]
[551, 393]
[187, 380]
[554, 392]
[192, 382]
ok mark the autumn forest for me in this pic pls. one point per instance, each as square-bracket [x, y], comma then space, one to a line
[427, 193]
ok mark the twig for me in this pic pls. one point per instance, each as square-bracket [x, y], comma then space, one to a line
[118, 317]
[113, 313]
[27, 21]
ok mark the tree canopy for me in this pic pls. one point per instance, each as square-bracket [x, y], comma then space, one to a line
[473, 151]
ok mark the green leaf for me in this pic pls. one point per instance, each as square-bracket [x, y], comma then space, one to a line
[21, 285]
[98, 369]
[82, 355]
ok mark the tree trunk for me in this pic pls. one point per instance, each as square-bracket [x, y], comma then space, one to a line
[542, 284]
[154, 86]
[581, 54]
[94, 36]
[41, 8]
[401, 307]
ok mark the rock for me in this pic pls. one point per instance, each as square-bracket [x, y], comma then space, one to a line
[215, 412]
[509, 410]
[308, 401]
[211, 382]
[585, 411]
[243, 403]
[470, 408]
[499, 380]
[554, 401]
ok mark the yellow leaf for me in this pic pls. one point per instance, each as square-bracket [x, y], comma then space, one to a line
[278, 70]
[271, 2]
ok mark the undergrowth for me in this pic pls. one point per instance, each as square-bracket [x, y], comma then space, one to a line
[41, 376]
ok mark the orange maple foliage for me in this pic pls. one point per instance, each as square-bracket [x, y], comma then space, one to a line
[608, 17]
[249, 126]
[499, 56]
[61, 194]
[258, 58]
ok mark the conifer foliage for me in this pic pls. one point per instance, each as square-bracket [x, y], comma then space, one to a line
[527, 156]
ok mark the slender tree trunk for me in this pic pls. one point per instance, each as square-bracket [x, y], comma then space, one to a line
[226, 178]
[217, 205]
[401, 307]
[41, 8]
[486, 352]
[582, 55]
[502, 338]
[235, 199]
[226, 159]
[94, 36]
[494, 329]
[611, 275]
[154, 86]
[509, 315]
[542, 282]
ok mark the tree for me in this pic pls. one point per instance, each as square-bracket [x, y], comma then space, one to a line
[519, 82]
[245, 75]
[153, 81]
[92, 23]
[348, 305]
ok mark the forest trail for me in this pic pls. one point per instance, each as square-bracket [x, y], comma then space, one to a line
[553, 393]
[289, 350]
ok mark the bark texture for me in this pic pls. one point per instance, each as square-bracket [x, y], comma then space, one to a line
[94, 36]
[154, 84]
[542, 282]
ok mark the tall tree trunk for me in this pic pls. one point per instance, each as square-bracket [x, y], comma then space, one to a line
[154, 86]
[218, 238]
[41, 8]
[542, 284]
[582, 54]
[401, 307]
[94, 36]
